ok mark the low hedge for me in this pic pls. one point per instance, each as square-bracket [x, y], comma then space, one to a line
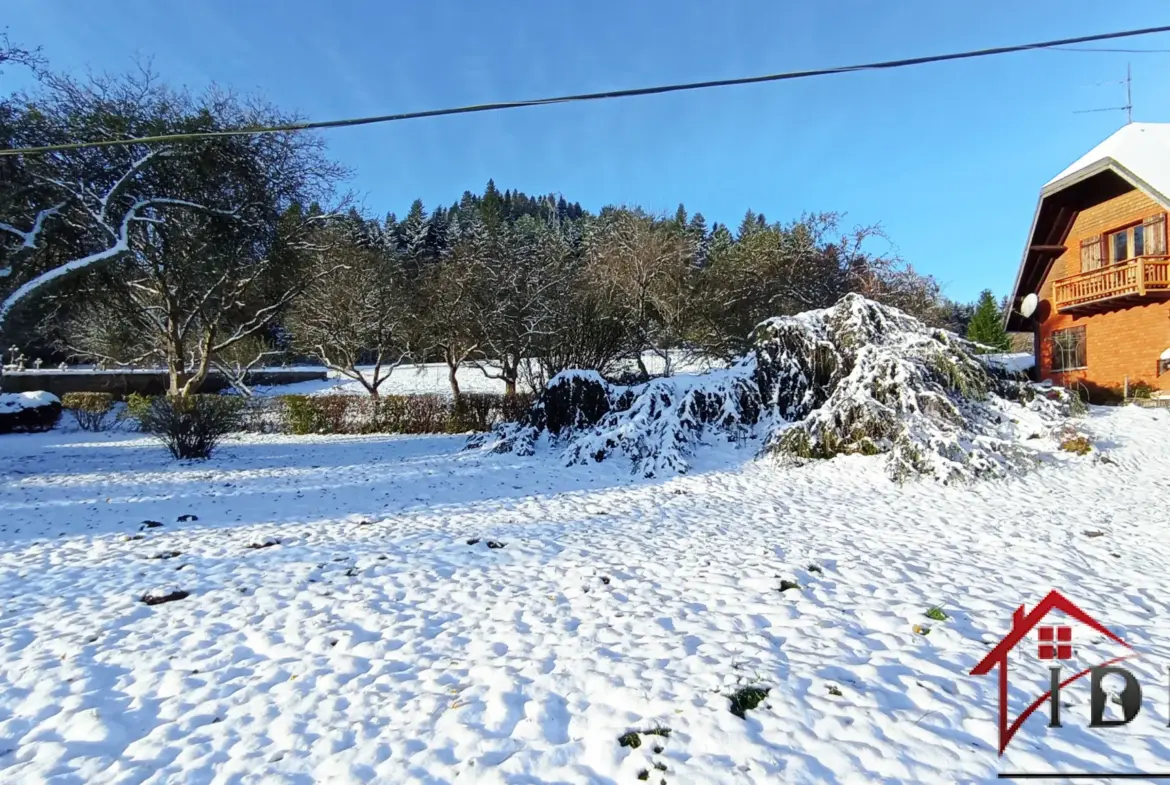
[359, 414]
[90, 409]
[31, 412]
[408, 414]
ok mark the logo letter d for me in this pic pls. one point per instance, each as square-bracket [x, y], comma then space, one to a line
[1131, 697]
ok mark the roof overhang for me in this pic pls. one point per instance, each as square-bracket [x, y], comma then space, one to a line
[1059, 203]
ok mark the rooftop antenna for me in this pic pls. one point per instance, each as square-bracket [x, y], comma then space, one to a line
[1128, 108]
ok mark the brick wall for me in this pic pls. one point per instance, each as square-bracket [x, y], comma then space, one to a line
[1122, 343]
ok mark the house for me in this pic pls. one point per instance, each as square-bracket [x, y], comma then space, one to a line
[1096, 258]
[1055, 644]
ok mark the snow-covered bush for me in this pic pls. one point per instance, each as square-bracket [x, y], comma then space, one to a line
[28, 412]
[858, 377]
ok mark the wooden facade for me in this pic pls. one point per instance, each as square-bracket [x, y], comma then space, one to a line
[1102, 275]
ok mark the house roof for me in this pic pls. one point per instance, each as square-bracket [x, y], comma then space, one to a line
[1023, 623]
[1141, 150]
[1135, 156]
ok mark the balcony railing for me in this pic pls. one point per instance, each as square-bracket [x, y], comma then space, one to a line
[1117, 284]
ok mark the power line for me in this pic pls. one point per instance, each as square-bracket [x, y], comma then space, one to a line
[638, 91]
[1098, 49]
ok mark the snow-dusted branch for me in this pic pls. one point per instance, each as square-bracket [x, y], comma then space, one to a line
[121, 244]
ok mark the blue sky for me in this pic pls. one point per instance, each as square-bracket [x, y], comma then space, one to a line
[948, 158]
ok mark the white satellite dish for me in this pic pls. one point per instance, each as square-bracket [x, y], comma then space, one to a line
[1028, 305]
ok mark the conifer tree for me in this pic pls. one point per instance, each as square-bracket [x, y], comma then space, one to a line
[412, 232]
[986, 326]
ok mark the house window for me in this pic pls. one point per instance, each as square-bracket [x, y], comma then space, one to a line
[1068, 349]
[1119, 245]
[1145, 239]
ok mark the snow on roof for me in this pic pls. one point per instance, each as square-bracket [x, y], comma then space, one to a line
[1141, 149]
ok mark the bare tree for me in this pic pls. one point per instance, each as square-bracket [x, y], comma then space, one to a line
[588, 329]
[517, 302]
[238, 362]
[645, 263]
[355, 316]
[448, 295]
[18, 55]
[774, 269]
[190, 291]
[103, 204]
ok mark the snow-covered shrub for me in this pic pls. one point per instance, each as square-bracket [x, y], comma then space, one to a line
[192, 427]
[858, 377]
[28, 412]
[91, 410]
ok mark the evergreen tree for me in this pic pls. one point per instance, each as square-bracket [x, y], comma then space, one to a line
[438, 234]
[697, 230]
[412, 232]
[492, 208]
[749, 225]
[986, 326]
[721, 240]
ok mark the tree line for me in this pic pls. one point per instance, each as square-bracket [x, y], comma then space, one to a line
[227, 253]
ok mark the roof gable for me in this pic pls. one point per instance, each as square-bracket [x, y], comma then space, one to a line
[1137, 155]
[1141, 150]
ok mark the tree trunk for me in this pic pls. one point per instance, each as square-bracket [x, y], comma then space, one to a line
[642, 367]
[452, 369]
[196, 380]
[509, 372]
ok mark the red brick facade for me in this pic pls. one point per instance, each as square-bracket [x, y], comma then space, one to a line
[1119, 344]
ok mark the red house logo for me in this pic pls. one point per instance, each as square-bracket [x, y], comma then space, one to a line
[1054, 646]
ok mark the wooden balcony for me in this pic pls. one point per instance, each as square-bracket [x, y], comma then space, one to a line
[1119, 285]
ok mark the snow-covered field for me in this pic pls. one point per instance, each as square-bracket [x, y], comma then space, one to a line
[432, 378]
[339, 627]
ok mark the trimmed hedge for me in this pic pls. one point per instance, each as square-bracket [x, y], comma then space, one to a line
[408, 414]
[28, 412]
[90, 409]
[358, 414]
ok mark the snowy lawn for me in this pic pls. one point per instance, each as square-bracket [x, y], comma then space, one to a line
[340, 627]
[433, 378]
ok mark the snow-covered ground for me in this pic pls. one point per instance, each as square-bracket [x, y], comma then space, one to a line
[433, 378]
[1020, 362]
[339, 627]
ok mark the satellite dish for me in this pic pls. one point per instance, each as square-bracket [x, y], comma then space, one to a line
[1028, 305]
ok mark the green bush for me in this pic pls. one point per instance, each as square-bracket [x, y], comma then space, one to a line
[137, 405]
[90, 409]
[1142, 390]
[191, 427]
[305, 414]
[407, 414]
[413, 414]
